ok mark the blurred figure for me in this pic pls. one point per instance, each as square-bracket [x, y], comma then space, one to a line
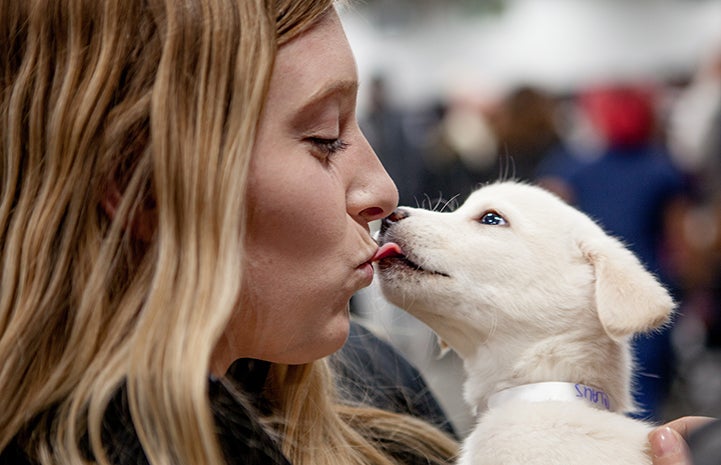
[695, 140]
[526, 128]
[578, 142]
[632, 188]
[459, 153]
[695, 128]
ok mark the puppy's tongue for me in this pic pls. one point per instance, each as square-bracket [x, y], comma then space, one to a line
[389, 249]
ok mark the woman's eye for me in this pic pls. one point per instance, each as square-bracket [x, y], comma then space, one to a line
[328, 147]
[493, 219]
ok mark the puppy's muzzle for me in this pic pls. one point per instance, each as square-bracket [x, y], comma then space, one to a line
[397, 215]
[392, 254]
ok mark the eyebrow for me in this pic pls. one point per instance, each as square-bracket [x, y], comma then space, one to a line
[345, 87]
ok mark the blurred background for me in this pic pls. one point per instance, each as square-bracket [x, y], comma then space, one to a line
[613, 104]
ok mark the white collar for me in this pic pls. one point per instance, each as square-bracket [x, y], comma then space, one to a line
[552, 391]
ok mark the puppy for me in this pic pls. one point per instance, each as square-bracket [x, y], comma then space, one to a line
[540, 304]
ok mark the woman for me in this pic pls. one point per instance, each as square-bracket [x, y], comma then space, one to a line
[184, 184]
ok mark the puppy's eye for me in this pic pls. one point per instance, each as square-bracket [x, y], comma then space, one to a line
[493, 219]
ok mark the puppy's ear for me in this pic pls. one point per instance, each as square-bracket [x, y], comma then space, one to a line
[629, 299]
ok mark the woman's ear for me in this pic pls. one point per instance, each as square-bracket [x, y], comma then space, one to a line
[143, 222]
[628, 298]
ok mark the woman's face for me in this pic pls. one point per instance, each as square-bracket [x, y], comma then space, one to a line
[314, 186]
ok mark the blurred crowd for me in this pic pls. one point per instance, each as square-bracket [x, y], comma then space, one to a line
[642, 158]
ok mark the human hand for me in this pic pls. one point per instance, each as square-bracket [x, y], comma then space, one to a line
[668, 442]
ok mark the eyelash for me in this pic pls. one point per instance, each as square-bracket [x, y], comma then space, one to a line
[328, 147]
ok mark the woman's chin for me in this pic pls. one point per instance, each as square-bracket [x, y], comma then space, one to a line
[330, 341]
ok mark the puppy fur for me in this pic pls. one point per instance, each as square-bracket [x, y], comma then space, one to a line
[541, 294]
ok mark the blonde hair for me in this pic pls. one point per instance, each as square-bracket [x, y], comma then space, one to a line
[125, 93]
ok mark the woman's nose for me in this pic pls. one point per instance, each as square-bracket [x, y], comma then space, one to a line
[373, 194]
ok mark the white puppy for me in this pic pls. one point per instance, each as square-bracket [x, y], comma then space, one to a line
[540, 304]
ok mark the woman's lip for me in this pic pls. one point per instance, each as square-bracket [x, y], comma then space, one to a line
[367, 270]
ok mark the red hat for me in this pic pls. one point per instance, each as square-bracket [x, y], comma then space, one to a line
[624, 115]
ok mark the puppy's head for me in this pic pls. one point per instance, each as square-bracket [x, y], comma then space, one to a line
[515, 257]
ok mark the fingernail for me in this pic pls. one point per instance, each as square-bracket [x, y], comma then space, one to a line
[666, 443]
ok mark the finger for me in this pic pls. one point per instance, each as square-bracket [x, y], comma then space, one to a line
[687, 425]
[668, 447]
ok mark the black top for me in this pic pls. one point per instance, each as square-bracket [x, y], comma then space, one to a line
[705, 444]
[242, 438]
[371, 372]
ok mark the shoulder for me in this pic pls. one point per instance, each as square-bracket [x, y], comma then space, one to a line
[242, 437]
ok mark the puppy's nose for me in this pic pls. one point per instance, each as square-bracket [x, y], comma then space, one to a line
[394, 217]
